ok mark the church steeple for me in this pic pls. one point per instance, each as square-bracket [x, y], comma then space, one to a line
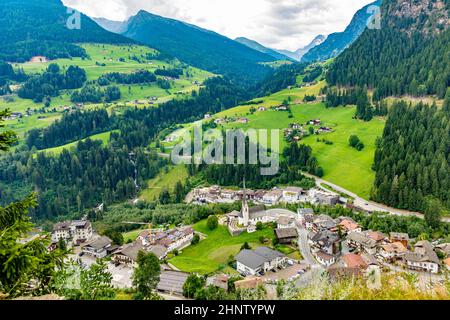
[245, 209]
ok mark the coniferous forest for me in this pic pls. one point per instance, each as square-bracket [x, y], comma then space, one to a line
[412, 160]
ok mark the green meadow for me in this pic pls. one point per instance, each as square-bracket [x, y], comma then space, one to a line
[164, 180]
[212, 253]
[342, 164]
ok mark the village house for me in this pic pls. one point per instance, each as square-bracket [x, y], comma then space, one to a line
[207, 116]
[377, 236]
[259, 261]
[174, 239]
[391, 251]
[302, 212]
[220, 121]
[285, 222]
[127, 256]
[325, 241]
[315, 122]
[323, 223]
[423, 258]
[348, 225]
[262, 108]
[98, 248]
[228, 194]
[399, 237]
[326, 199]
[286, 236]
[292, 194]
[72, 232]
[355, 261]
[325, 259]
[362, 243]
[308, 221]
[272, 197]
[443, 248]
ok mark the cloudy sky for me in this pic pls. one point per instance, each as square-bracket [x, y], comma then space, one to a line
[281, 24]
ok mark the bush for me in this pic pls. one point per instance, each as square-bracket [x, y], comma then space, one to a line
[195, 239]
[212, 222]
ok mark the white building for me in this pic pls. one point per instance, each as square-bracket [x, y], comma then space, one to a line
[259, 261]
[72, 232]
[272, 197]
[423, 258]
[292, 194]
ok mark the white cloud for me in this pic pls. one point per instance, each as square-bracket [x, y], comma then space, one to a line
[286, 24]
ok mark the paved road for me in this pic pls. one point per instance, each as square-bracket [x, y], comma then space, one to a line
[304, 247]
[366, 204]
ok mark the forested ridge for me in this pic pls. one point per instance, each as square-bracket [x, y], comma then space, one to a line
[408, 55]
[412, 160]
[38, 28]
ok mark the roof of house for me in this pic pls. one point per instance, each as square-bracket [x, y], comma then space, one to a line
[250, 259]
[100, 243]
[172, 281]
[444, 247]
[349, 225]
[256, 258]
[158, 250]
[376, 235]
[352, 260]
[131, 250]
[362, 239]
[425, 249]
[293, 190]
[324, 238]
[325, 256]
[286, 233]
[285, 220]
[399, 236]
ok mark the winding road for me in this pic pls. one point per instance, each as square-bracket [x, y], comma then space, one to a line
[367, 205]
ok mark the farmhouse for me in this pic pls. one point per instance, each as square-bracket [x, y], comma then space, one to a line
[98, 248]
[259, 261]
[173, 239]
[286, 236]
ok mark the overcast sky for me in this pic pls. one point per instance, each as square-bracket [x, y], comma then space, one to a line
[281, 24]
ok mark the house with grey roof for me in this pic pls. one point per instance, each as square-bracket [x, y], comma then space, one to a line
[259, 261]
[286, 235]
[423, 258]
[98, 248]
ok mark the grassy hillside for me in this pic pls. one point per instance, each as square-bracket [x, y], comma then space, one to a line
[103, 137]
[164, 180]
[342, 164]
[102, 59]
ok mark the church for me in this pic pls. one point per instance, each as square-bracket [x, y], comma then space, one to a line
[248, 217]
